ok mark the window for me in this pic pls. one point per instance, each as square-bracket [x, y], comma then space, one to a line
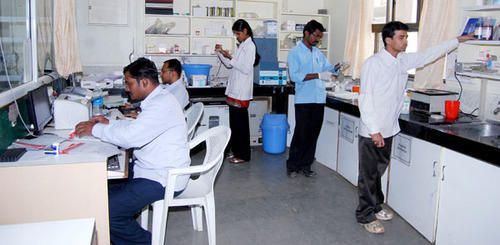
[26, 46]
[406, 11]
[15, 51]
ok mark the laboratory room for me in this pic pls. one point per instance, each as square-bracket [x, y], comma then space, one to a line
[237, 122]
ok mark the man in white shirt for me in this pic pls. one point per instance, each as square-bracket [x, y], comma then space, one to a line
[170, 76]
[158, 137]
[383, 81]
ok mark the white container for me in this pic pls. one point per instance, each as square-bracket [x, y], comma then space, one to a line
[288, 25]
[271, 28]
[199, 11]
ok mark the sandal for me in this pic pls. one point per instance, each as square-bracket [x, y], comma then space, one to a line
[374, 227]
[236, 160]
[384, 214]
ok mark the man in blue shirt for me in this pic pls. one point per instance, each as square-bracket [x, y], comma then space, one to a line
[309, 69]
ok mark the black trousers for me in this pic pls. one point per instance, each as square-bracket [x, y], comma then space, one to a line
[308, 121]
[240, 132]
[373, 162]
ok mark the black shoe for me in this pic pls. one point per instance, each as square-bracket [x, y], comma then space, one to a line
[309, 173]
[292, 174]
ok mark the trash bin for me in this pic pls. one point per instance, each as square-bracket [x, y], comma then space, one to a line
[274, 128]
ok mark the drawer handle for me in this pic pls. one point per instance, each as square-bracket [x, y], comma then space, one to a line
[442, 173]
[434, 169]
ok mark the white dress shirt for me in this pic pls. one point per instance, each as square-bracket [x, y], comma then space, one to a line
[240, 83]
[158, 137]
[179, 91]
[383, 83]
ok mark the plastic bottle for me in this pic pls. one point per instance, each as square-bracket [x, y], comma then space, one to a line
[97, 103]
[489, 62]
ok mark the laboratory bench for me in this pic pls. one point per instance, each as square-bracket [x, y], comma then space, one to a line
[278, 93]
[475, 139]
[440, 178]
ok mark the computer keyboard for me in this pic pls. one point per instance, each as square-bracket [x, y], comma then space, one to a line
[12, 155]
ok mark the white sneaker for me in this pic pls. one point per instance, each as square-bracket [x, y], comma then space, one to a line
[384, 214]
[374, 227]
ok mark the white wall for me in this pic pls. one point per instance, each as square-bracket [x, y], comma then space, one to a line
[105, 47]
[304, 6]
[338, 11]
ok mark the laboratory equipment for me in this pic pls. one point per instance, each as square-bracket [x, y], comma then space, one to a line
[70, 109]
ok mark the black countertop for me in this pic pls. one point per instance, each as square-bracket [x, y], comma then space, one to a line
[279, 93]
[470, 139]
[258, 90]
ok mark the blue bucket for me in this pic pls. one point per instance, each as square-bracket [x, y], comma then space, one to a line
[274, 128]
[196, 69]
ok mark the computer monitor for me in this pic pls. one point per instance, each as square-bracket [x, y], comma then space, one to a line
[39, 109]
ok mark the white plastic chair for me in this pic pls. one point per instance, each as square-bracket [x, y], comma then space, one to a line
[198, 192]
[193, 116]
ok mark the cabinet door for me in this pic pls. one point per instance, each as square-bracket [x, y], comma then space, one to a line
[291, 119]
[326, 149]
[468, 201]
[348, 148]
[414, 182]
[213, 116]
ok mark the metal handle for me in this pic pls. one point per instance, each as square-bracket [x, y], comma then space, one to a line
[356, 132]
[442, 173]
[434, 169]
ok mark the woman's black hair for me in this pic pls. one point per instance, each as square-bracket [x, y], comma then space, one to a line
[241, 24]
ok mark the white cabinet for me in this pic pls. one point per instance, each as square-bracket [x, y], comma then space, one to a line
[258, 107]
[348, 153]
[414, 180]
[326, 149]
[291, 119]
[347, 165]
[213, 116]
[469, 201]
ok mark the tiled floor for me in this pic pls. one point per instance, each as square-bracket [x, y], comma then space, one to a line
[256, 203]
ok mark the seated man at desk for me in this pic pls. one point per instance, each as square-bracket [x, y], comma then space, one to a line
[170, 76]
[158, 137]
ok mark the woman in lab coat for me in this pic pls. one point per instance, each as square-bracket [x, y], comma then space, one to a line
[239, 88]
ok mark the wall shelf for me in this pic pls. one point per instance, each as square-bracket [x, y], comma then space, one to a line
[487, 76]
[167, 15]
[483, 42]
[304, 14]
[483, 8]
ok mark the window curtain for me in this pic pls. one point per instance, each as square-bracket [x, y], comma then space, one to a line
[67, 54]
[359, 39]
[437, 24]
[44, 34]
